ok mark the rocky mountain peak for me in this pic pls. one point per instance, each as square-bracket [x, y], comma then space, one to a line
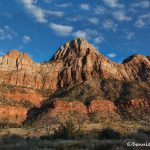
[75, 49]
[15, 54]
[136, 58]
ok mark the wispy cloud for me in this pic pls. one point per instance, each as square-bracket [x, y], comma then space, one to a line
[99, 10]
[64, 5]
[26, 39]
[99, 39]
[143, 21]
[89, 34]
[111, 55]
[38, 13]
[61, 30]
[110, 25]
[35, 11]
[121, 16]
[54, 13]
[80, 34]
[129, 35]
[93, 20]
[85, 6]
[7, 33]
[141, 4]
[113, 3]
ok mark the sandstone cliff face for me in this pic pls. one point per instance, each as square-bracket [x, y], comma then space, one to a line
[32, 97]
[18, 69]
[77, 106]
[73, 63]
[13, 114]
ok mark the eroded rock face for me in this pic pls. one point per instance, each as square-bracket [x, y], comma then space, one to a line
[13, 114]
[73, 63]
[32, 97]
[135, 103]
[60, 106]
[102, 105]
[18, 69]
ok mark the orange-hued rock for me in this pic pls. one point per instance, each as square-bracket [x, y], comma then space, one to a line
[32, 97]
[73, 63]
[102, 105]
[141, 103]
[135, 103]
[13, 114]
[17, 68]
[60, 106]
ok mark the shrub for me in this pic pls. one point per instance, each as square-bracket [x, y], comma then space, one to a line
[67, 131]
[108, 133]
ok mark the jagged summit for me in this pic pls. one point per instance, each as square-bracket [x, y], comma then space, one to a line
[135, 57]
[74, 49]
[14, 54]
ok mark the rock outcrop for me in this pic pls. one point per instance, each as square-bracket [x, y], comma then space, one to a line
[73, 63]
[60, 106]
[102, 105]
[135, 103]
[32, 97]
[13, 114]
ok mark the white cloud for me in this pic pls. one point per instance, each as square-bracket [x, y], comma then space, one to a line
[99, 39]
[85, 34]
[64, 5]
[85, 6]
[111, 55]
[121, 16]
[26, 39]
[93, 20]
[38, 13]
[129, 35]
[61, 30]
[80, 34]
[89, 34]
[35, 11]
[7, 33]
[99, 10]
[113, 3]
[141, 4]
[54, 13]
[143, 21]
[109, 25]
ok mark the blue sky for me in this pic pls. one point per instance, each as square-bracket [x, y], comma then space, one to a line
[117, 28]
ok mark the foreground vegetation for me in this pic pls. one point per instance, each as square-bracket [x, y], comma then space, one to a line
[69, 136]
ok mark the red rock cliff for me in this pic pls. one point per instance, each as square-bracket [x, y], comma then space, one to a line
[73, 63]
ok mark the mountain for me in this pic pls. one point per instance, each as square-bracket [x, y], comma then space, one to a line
[73, 63]
[76, 71]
